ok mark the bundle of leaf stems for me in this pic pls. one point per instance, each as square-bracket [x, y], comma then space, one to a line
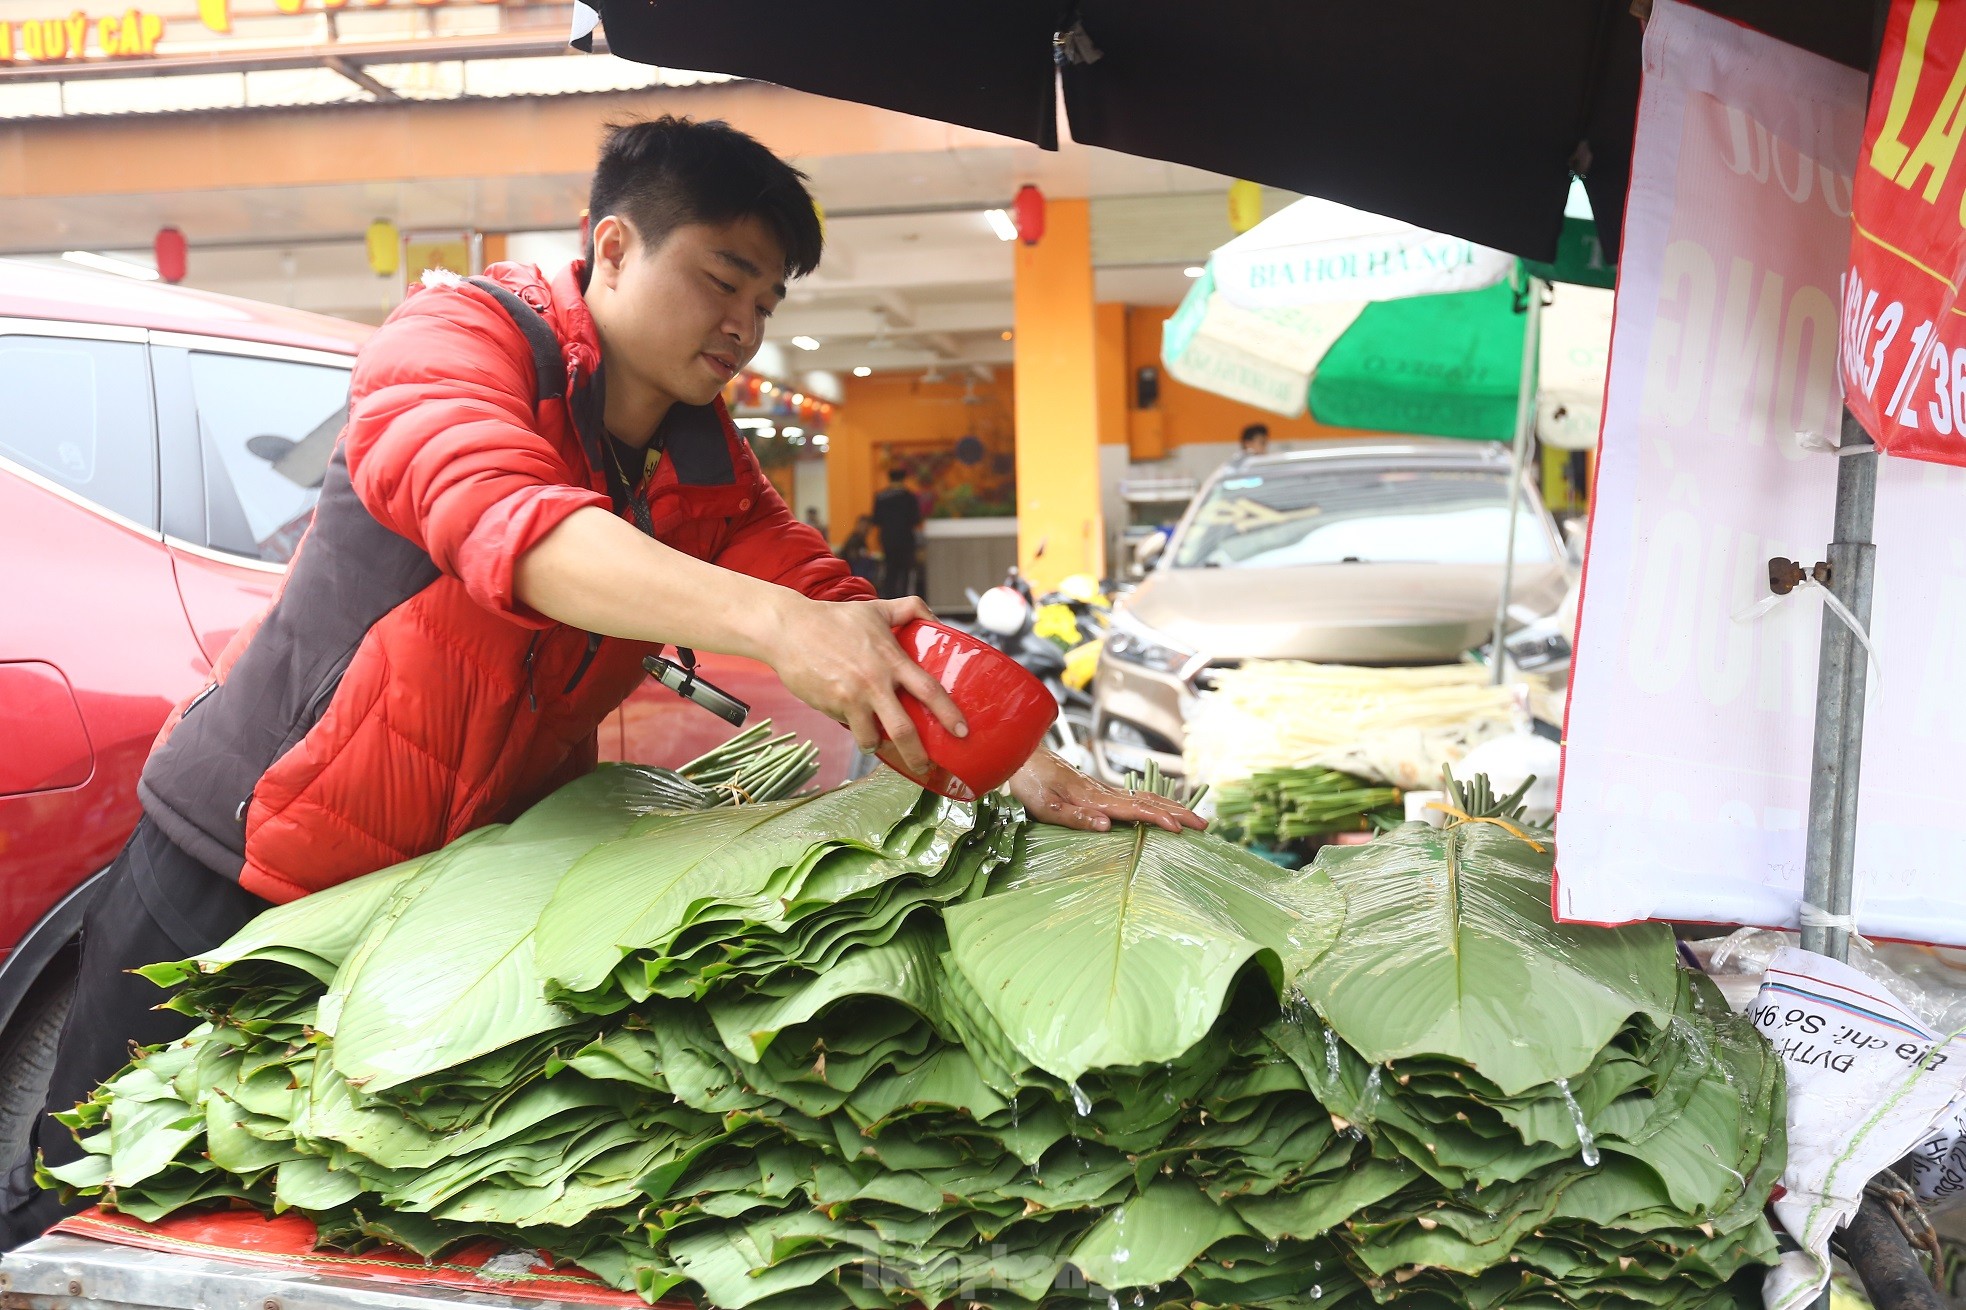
[1154, 782]
[1284, 805]
[1477, 799]
[753, 767]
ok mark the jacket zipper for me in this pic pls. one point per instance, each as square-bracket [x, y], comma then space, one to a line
[310, 714]
[198, 700]
[593, 647]
[532, 648]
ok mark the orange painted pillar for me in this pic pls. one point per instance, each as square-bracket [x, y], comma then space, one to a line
[1115, 383]
[851, 478]
[1059, 525]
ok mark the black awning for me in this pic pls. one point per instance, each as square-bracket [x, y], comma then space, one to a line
[1464, 116]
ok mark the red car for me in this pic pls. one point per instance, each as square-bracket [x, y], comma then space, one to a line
[160, 453]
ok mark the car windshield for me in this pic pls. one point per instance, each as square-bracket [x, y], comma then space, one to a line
[1280, 517]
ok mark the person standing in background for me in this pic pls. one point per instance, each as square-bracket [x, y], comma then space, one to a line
[898, 514]
[1255, 441]
[858, 554]
[814, 522]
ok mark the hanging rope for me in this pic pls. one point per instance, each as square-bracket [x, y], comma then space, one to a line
[1767, 605]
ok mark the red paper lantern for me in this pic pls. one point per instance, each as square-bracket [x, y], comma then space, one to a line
[171, 251]
[1027, 210]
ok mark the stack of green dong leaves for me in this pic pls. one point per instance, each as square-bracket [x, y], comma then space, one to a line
[873, 1048]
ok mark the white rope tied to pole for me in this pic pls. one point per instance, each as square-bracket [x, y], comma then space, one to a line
[1767, 604]
[1816, 443]
[1815, 916]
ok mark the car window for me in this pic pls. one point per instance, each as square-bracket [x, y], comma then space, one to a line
[266, 428]
[1276, 519]
[78, 413]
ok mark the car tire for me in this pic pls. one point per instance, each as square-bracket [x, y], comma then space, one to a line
[27, 1055]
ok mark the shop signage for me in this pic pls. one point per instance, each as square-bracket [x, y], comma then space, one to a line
[1686, 769]
[1320, 252]
[303, 6]
[1903, 340]
[130, 33]
[134, 33]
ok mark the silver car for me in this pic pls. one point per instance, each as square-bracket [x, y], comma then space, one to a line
[1378, 552]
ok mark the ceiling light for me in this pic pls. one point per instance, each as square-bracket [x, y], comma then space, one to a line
[1008, 335]
[806, 343]
[798, 398]
[1193, 270]
[110, 264]
[862, 371]
[766, 388]
[820, 440]
[795, 433]
[767, 431]
[1000, 223]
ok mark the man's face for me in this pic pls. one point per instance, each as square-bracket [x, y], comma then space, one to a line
[1256, 445]
[682, 317]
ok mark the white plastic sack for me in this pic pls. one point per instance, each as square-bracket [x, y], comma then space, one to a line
[1867, 1082]
[1509, 760]
[1938, 1164]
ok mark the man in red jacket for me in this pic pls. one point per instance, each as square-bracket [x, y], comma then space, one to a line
[537, 487]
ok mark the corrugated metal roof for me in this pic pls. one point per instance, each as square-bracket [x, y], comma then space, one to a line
[292, 88]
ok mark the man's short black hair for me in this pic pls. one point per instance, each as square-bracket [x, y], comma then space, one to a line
[897, 475]
[669, 171]
[1255, 432]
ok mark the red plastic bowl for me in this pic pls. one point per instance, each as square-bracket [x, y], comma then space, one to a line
[1007, 709]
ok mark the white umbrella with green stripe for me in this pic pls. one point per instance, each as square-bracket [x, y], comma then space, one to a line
[1368, 322]
[1365, 321]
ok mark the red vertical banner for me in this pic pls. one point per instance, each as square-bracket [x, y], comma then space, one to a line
[1903, 346]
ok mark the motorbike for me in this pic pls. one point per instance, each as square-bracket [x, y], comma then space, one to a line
[1540, 644]
[1047, 635]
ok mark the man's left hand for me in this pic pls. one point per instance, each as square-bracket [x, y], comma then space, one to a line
[1052, 791]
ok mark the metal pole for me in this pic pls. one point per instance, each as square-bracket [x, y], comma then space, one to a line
[1842, 672]
[1525, 421]
[1829, 868]
[1887, 1263]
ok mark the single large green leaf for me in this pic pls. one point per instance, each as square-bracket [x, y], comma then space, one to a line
[738, 1265]
[453, 977]
[1327, 1202]
[1153, 1237]
[327, 925]
[145, 1137]
[636, 893]
[1116, 949]
[1449, 950]
[907, 969]
[310, 1184]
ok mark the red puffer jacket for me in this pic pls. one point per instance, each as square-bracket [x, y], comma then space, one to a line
[396, 694]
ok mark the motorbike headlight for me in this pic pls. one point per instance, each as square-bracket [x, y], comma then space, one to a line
[1133, 642]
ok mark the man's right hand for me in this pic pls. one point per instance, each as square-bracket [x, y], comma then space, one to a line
[841, 658]
[596, 572]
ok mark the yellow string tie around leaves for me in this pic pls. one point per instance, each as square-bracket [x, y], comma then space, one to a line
[1461, 816]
